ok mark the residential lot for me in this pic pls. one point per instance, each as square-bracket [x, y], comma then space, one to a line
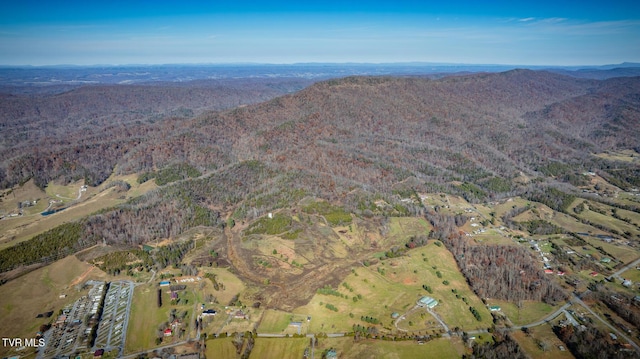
[71, 332]
[115, 317]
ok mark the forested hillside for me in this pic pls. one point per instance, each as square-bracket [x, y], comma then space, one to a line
[482, 129]
[85, 132]
[353, 141]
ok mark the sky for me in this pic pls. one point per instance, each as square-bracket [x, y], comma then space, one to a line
[550, 33]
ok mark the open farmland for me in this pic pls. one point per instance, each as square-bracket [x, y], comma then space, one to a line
[395, 285]
[525, 312]
[230, 285]
[221, 349]
[147, 319]
[289, 348]
[601, 214]
[276, 322]
[437, 348]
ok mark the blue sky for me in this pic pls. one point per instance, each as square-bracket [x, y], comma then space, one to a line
[161, 32]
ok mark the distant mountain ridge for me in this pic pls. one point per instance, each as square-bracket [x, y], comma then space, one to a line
[36, 79]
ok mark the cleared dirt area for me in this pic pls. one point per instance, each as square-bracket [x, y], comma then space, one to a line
[328, 259]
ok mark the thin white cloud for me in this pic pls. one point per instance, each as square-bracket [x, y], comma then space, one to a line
[593, 28]
[553, 20]
[527, 19]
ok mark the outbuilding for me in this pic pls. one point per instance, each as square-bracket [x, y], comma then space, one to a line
[427, 302]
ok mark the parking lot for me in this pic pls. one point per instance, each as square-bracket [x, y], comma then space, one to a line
[115, 316]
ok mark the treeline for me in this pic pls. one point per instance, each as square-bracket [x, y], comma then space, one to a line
[591, 343]
[538, 226]
[158, 214]
[114, 263]
[159, 258]
[621, 303]
[503, 346]
[47, 247]
[413, 242]
[120, 185]
[92, 162]
[171, 254]
[170, 174]
[327, 290]
[552, 197]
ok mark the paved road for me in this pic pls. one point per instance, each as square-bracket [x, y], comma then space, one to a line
[613, 329]
[153, 276]
[271, 335]
[433, 314]
[623, 269]
[109, 336]
[545, 319]
[135, 355]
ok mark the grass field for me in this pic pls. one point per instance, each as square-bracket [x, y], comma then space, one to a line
[542, 343]
[633, 216]
[66, 193]
[419, 320]
[492, 237]
[623, 253]
[275, 321]
[281, 348]
[137, 189]
[401, 228]
[18, 229]
[221, 349]
[397, 290]
[232, 285]
[628, 198]
[27, 192]
[146, 317]
[529, 312]
[573, 225]
[607, 220]
[285, 348]
[436, 199]
[508, 205]
[39, 292]
[632, 274]
[624, 155]
[375, 349]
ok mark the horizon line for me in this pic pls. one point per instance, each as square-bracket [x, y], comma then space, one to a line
[346, 63]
